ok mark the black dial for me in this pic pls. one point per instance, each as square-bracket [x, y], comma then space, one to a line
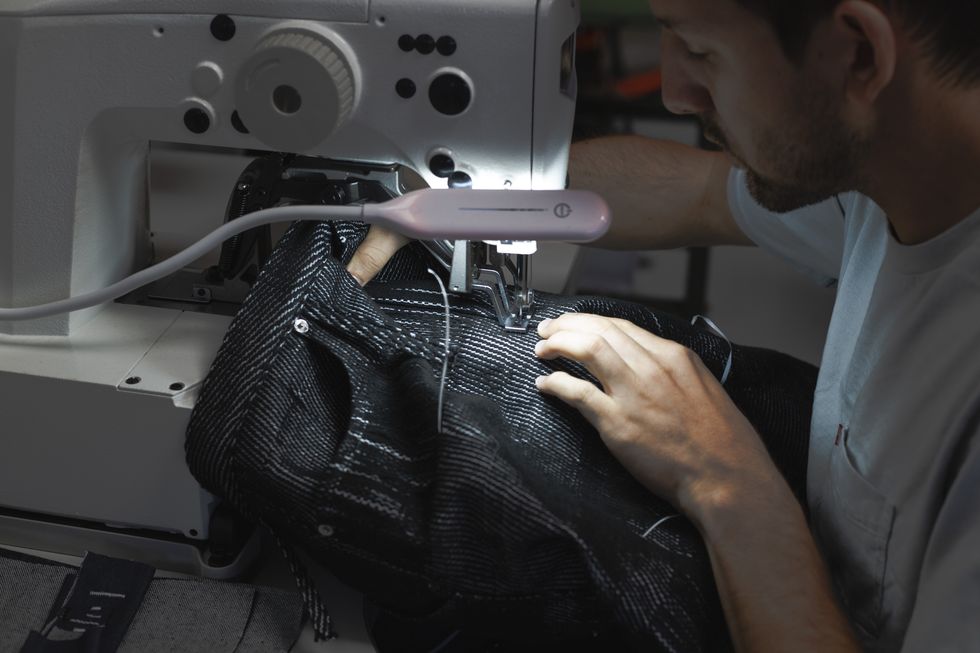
[450, 94]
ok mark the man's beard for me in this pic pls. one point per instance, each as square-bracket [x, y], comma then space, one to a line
[817, 158]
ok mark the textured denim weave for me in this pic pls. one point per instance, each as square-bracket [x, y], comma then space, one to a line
[515, 524]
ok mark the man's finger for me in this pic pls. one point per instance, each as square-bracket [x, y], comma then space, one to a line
[589, 400]
[649, 341]
[593, 351]
[591, 326]
[378, 247]
[646, 341]
[667, 353]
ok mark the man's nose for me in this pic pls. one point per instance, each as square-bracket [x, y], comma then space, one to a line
[682, 93]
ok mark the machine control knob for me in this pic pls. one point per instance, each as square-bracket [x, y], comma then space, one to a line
[295, 90]
[450, 94]
[442, 165]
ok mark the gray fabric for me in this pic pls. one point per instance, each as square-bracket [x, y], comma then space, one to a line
[26, 592]
[177, 614]
[811, 239]
[189, 615]
[277, 617]
[894, 462]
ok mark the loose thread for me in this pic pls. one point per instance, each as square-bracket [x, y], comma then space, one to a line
[657, 525]
[445, 358]
[719, 332]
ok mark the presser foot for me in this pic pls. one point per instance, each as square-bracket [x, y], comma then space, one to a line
[478, 266]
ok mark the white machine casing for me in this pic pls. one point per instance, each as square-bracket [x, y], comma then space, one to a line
[95, 403]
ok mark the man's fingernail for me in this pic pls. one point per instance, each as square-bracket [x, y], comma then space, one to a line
[539, 381]
[538, 347]
[357, 278]
[543, 325]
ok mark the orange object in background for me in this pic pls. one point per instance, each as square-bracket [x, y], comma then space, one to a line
[639, 85]
[590, 39]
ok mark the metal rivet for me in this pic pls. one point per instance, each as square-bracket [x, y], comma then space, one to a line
[301, 326]
[326, 530]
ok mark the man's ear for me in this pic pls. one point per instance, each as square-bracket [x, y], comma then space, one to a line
[872, 48]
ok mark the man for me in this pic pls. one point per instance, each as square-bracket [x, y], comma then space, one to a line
[854, 128]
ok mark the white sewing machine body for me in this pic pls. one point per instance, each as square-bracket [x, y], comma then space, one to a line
[95, 403]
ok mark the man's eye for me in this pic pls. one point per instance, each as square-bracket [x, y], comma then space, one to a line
[695, 55]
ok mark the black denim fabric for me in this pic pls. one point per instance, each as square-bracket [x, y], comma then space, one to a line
[514, 526]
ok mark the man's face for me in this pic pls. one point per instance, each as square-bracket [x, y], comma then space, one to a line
[780, 121]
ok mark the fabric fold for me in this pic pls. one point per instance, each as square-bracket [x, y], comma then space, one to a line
[514, 526]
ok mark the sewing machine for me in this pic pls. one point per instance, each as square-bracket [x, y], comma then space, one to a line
[437, 93]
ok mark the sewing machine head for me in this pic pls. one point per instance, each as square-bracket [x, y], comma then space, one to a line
[463, 93]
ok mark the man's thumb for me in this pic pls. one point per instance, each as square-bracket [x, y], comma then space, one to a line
[374, 253]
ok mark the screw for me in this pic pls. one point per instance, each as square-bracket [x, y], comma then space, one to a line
[177, 387]
[326, 530]
[335, 195]
[301, 326]
[133, 380]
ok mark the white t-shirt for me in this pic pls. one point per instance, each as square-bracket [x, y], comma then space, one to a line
[894, 468]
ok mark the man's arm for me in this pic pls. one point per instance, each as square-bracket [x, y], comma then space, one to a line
[663, 195]
[672, 425]
[773, 584]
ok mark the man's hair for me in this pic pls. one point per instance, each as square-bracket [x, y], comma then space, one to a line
[947, 28]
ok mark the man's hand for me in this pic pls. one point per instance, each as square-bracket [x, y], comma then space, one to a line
[378, 247]
[667, 419]
[660, 411]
